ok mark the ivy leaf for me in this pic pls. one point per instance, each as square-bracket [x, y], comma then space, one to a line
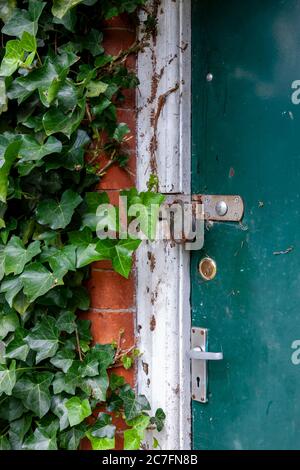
[11, 408]
[89, 366]
[44, 338]
[63, 359]
[92, 42]
[16, 256]
[6, 9]
[116, 381]
[31, 150]
[80, 299]
[67, 382]
[97, 387]
[58, 407]
[87, 254]
[92, 202]
[33, 390]
[140, 423]
[68, 20]
[102, 433]
[71, 438]
[23, 20]
[127, 362]
[58, 214]
[58, 297]
[159, 419]
[101, 443]
[122, 258]
[6, 163]
[133, 405]
[18, 430]
[61, 7]
[3, 96]
[8, 322]
[104, 353]
[77, 410]
[7, 378]
[18, 348]
[41, 77]
[40, 440]
[4, 443]
[121, 130]
[95, 89]
[67, 96]
[11, 287]
[103, 427]
[15, 51]
[37, 280]
[13, 58]
[63, 260]
[28, 42]
[57, 121]
[66, 322]
[132, 439]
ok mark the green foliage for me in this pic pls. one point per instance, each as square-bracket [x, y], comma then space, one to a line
[58, 93]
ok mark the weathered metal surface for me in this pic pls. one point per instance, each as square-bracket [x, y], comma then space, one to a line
[215, 204]
[200, 355]
[246, 128]
[163, 144]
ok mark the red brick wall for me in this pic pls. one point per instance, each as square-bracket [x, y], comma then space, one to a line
[112, 296]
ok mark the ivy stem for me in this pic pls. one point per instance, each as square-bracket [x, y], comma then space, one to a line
[38, 57]
[4, 431]
[78, 344]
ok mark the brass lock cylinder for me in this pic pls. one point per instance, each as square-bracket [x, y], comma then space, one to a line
[207, 268]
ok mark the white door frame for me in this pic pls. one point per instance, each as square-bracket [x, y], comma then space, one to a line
[163, 277]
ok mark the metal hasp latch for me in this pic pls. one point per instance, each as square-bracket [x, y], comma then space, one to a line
[199, 355]
[221, 208]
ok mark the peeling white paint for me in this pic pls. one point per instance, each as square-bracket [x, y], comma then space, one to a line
[163, 308]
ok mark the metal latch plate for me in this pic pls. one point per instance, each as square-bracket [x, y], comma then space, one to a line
[199, 368]
[211, 202]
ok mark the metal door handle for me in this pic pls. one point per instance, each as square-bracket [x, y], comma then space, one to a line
[197, 353]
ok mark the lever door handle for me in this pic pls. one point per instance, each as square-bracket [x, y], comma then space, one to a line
[197, 353]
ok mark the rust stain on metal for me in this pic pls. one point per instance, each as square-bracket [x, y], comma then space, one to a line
[161, 103]
[152, 323]
[154, 121]
[153, 297]
[152, 260]
[145, 367]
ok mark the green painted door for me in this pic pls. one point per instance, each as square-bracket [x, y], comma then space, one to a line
[246, 141]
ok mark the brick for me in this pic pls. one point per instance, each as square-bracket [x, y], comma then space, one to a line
[114, 43]
[129, 98]
[122, 21]
[103, 264]
[106, 326]
[119, 178]
[109, 290]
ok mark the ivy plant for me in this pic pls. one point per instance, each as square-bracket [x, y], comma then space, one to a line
[58, 96]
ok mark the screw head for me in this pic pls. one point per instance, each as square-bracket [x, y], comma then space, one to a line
[221, 208]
